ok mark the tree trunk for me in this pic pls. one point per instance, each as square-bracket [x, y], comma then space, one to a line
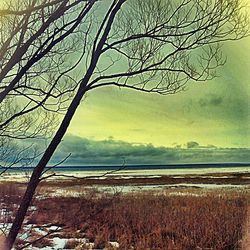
[35, 178]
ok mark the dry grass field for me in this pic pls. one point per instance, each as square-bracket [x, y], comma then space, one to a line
[183, 219]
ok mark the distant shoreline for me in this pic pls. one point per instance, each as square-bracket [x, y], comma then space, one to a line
[207, 175]
[137, 167]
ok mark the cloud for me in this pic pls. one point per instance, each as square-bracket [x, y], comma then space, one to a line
[196, 145]
[211, 100]
[192, 144]
[86, 152]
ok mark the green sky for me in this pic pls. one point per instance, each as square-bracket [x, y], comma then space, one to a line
[216, 112]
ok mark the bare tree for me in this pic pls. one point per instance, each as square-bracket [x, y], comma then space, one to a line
[37, 40]
[151, 46]
[35, 82]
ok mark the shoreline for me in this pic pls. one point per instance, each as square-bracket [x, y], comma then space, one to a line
[71, 183]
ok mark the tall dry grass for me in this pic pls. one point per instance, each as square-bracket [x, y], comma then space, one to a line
[10, 196]
[148, 221]
[196, 219]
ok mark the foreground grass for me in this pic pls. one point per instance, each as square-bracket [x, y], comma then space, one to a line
[191, 219]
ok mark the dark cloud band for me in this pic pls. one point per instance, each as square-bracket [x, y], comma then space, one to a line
[84, 151]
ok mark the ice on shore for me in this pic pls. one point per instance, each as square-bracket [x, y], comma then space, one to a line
[129, 173]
